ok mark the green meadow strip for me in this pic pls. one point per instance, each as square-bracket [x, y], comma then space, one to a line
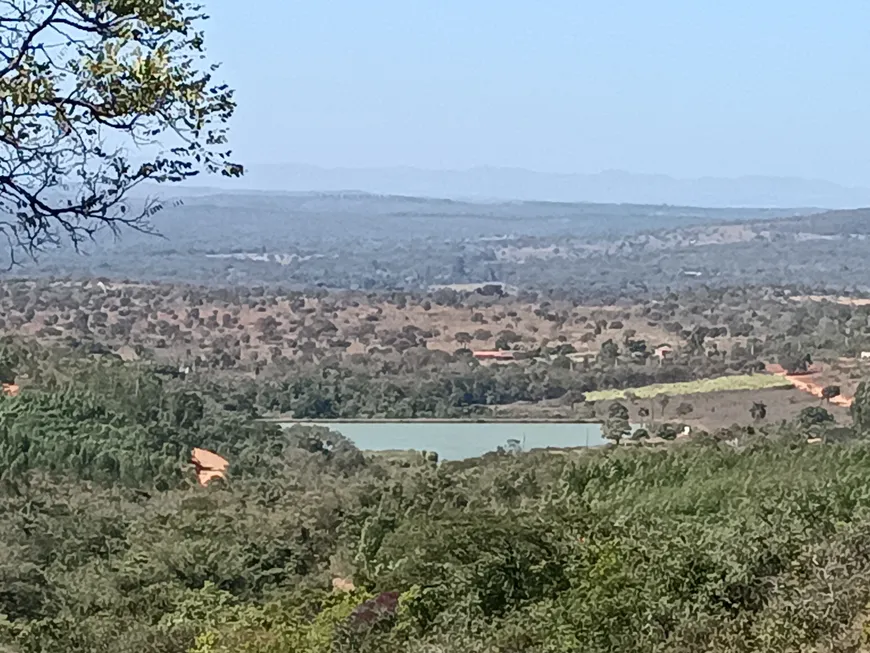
[719, 384]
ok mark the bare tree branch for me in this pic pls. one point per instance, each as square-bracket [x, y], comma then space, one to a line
[78, 74]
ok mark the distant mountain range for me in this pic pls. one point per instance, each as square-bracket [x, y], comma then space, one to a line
[492, 183]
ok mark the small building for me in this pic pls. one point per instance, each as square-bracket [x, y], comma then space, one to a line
[582, 356]
[127, 353]
[865, 354]
[663, 352]
[494, 355]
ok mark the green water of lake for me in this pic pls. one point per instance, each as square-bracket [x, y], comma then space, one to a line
[459, 440]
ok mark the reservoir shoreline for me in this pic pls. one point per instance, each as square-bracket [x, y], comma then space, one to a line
[421, 420]
[460, 439]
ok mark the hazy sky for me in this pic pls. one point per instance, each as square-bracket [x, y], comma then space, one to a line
[688, 88]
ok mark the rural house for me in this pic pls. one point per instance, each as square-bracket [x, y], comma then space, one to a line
[663, 352]
[494, 355]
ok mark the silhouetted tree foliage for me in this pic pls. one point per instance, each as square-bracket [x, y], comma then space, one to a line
[830, 391]
[83, 83]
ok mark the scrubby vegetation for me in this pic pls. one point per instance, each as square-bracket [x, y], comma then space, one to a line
[679, 535]
[744, 540]
[345, 354]
[740, 539]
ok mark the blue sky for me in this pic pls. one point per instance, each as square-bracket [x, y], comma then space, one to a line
[687, 88]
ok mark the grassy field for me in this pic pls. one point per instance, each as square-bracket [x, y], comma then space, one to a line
[720, 384]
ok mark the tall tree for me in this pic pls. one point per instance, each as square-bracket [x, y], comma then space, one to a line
[861, 408]
[616, 426]
[82, 84]
[830, 391]
[758, 411]
[609, 351]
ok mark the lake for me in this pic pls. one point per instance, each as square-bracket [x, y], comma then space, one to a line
[459, 440]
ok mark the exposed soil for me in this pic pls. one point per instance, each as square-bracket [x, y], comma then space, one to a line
[712, 411]
[845, 301]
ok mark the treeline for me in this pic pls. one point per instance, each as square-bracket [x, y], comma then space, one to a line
[428, 386]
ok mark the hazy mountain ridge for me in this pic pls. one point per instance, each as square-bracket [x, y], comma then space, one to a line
[491, 183]
[372, 204]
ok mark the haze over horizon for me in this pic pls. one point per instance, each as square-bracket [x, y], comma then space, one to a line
[678, 88]
[503, 183]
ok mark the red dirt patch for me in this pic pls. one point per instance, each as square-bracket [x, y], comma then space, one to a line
[209, 466]
[807, 383]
